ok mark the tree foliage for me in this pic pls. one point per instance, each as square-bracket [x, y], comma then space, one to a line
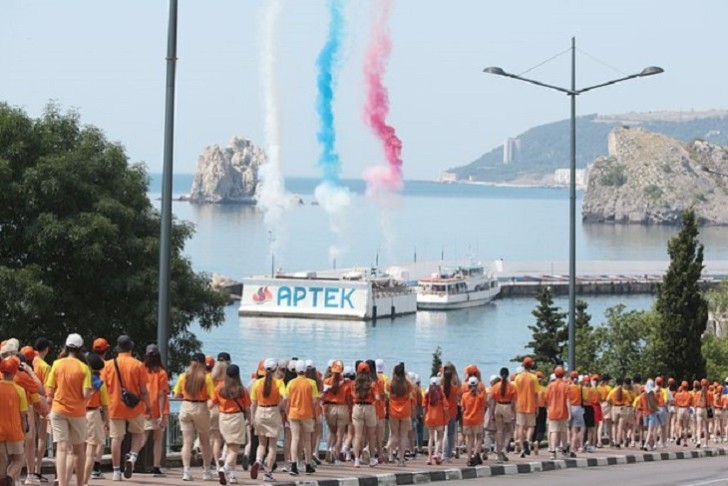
[79, 240]
[682, 308]
[436, 361]
[587, 346]
[715, 352]
[550, 333]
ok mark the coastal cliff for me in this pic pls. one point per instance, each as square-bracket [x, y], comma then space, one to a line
[227, 175]
[649, 178]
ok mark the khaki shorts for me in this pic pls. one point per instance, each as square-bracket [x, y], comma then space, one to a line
[526, 419]
[306, 425]
[337, 415]
[683, 415]
[119, 427]
[364, 414]
[267, 421]
[472, 429]
[12, 448]
[558, 426]
[701, 413]
[94, 428]
[194, 417]
[214, 419]
[68, 429]
[151, 424]
[607, 411]
[503, 413]
[233, 428]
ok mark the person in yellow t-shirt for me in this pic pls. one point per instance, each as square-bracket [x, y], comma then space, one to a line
[42, 347]
[526, 405]
[69, 386]
[97, 416]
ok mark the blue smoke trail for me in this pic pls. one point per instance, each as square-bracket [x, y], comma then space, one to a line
[328, 62]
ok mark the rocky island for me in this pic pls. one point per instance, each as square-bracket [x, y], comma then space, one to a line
[227, 175]
[649, 178]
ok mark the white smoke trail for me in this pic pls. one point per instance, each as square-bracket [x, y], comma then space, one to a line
[336, 201]
[273, 199]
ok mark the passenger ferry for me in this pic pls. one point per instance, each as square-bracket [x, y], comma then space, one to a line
[360, 294]
[457, 288]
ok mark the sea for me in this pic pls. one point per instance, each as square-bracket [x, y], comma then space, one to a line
[427, 221]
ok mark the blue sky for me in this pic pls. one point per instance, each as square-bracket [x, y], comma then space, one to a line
[106, 59]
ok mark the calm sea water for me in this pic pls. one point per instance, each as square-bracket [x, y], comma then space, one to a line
[427, 221]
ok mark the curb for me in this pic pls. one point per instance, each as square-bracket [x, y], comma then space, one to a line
[419, 477]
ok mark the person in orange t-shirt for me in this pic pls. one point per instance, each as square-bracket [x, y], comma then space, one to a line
[473, 403]
[505, 395]
[400, 412]
[558, 410]
[69, 386]
[436, 417]
[233, 401]
[42, 347]
[363, 416]
[701, 402]
[158, 389]
[13, 421]
[127, 371]
[97, 418]
[527, 405]
[302, 395]
[35, 395]
[337, 408]
[268, 401]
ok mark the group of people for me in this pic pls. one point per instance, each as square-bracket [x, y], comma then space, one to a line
[371, 417]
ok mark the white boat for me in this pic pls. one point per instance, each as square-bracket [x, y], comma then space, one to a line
[457, 288]
[359, 294]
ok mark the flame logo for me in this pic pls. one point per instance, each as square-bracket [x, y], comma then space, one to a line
[262, 295]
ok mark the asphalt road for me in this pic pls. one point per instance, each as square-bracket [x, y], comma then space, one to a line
[686, 472]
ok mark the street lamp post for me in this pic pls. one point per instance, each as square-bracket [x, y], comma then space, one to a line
[573, 93]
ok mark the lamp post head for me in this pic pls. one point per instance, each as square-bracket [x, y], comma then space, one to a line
[494, 70]
[651, 70]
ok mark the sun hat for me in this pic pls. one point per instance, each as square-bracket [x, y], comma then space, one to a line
[125, 344]
[74, 341]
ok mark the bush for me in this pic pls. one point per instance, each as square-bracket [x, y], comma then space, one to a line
[614, 176]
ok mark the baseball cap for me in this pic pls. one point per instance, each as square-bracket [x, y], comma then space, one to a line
[380, 365]
[9, 365]
[209, 362]
[472, 381]
[271, 364]
[124, 343]
[28, 352]
[527, 361]
[74, 341]
[309, 364]
[520, 369]
[100, 344]
[348, 370]
[224, 356]
[362, 368]
[300, 366]
[292, 365]
[434, 380]
[559, 372]
[471, 369]
[199, 358]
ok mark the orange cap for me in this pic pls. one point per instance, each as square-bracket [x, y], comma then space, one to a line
[574, 374]
[704, 382]
[362, 368]
[28, 352]
[527, 362]
[471, 370]
[540, 375]
[10, 365]
[209, 362]
[100, 344]
[559, 372]
[596, 377]
[261, 368]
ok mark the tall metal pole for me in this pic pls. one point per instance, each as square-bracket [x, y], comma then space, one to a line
[165, 240]
[572, 215]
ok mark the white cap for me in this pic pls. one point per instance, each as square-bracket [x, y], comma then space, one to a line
[309, 364]
[12, 346]
[300, 366]
[434, 380]
[493, 378]
[520, 369]
[271, 364]
[649, 386]
[292, 365]
[411, 376]
[348, 370]
[417, 378]
[552, 377]
[74, 341]
[472, 380]
[331, 363]
[380, 365]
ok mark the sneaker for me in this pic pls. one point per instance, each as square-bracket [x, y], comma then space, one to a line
[504, 457]
[268, 477]
[526, 448]
[438, 460]
[116, 476]
[42, 478]
[158, 473]
[293, 470]
[129, 466]
[572, 455]
[232, 479]
[552, 456]
[221, 476]
[472, 462]
[32, 480]
[254, 470]
[316, 459]
[208, 475]
[244, 462]
[186, 476]
[357, 463]
[522, 455]
[373, 462]
[310, 469]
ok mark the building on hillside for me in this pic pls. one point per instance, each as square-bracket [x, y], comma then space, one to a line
[511, 149]
[562, 177]
[448, 177]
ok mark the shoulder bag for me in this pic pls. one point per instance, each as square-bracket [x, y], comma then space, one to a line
[130, 399]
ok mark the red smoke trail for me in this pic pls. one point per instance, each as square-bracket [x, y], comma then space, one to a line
[376, 108]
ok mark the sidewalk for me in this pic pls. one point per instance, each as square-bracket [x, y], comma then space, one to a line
[417, 471]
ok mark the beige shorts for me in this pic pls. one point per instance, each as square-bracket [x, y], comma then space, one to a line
[68, 429]
[627, 414]
[119, 427]
[194, 417]
[94, 427]
[151, 424]
[12, 448]
[472, 429]
[337, 415]
[701, 413]
[306, 425]
[503, 413]
[526, 419]
[364, 414]
[233, 428]
[214, 419]
[607, 411]
[558, 427]
[267, 421]
[683, 415]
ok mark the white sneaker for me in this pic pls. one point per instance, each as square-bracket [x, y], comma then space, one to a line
[373, 462]
[116, 476]
[186, 476]
[208, 476]
[32, 480]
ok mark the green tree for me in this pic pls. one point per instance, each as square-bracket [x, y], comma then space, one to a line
[623, 342]
[550, 334]
[79, 240]
[715, 351]
[436, 361]
[586, 342]
[683, 309]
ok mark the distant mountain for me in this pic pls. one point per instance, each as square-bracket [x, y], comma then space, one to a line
[536, 154]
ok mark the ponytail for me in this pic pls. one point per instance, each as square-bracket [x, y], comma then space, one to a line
[267, 383]
[504, 381]
[335, 380]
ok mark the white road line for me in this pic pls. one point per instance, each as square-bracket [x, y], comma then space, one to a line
[712, 481]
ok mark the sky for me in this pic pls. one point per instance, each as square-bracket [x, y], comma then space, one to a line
[106, 60]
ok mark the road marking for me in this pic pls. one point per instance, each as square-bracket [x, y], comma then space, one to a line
[712, 481]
